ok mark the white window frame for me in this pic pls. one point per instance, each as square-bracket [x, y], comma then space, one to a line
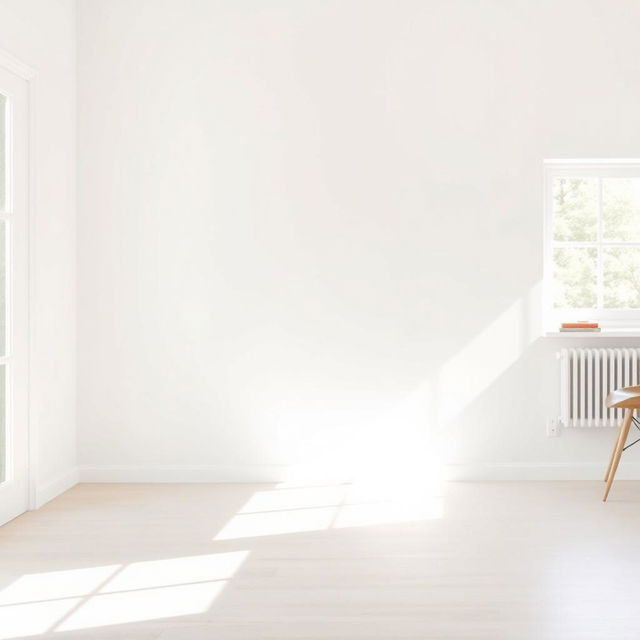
[608, 318]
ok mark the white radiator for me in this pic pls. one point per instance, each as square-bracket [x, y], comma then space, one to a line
[586, 377]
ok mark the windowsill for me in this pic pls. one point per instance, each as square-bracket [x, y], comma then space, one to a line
[605, 333]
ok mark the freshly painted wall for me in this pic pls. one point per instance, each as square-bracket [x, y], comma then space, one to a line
[310, 232]
[41, 34]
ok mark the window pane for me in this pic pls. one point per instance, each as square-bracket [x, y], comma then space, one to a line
[3, 289]
[621, 209]
[3, 424]
[575, 205]
[3, 153]
[621, 278]
[575, 278]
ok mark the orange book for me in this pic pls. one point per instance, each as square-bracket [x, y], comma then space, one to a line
[579, 325]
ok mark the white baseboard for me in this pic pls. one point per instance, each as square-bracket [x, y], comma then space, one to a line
[524, 471]
[53, 488]
[183, 473]
[491, 472]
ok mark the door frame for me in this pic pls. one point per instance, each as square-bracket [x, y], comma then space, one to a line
[29, 75]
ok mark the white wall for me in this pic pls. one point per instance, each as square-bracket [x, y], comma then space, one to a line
[310, 231]
[41, 33]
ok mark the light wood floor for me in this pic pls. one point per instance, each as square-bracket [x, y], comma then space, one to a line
[197, 562]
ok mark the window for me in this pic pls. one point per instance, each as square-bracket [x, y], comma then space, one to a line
[592, 238]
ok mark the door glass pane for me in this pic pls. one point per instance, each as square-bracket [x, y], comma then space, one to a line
[575, 277]
[3, 153]
[3, 424]
[3, 269]
[621, 278]
[575, 207]
[3, 288]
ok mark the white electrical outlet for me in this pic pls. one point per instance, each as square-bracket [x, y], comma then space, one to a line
[553, 428]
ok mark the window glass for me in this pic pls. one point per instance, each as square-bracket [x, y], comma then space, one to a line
[3, 153]
[621, 266]
[575, 209]
[575, 277]
[621, 209]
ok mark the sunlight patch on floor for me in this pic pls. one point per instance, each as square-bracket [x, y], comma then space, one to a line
[114, 594]
[383, 513]
[295, 498]
[56, 585]
[32, 619]
[174, 571]
[270, 523]
[284, 510]
[147, 604]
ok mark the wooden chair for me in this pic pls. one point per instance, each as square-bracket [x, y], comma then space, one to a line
[627, 398]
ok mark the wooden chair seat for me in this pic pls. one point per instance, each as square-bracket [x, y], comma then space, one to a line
[627, 398]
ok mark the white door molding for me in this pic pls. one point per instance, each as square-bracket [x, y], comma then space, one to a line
[30, 75]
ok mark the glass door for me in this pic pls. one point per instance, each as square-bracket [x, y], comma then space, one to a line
[13, 295]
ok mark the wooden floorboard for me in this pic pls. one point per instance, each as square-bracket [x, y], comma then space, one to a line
[269, 562]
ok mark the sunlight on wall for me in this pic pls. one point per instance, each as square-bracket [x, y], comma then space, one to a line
[406, 447]
[465, 376]
[115, 594]
[390, 450]
[331, 444]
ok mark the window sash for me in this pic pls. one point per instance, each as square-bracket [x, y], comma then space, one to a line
[583, 169]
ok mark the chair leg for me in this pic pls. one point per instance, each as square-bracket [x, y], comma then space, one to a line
[624, 432]
[613, 454]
